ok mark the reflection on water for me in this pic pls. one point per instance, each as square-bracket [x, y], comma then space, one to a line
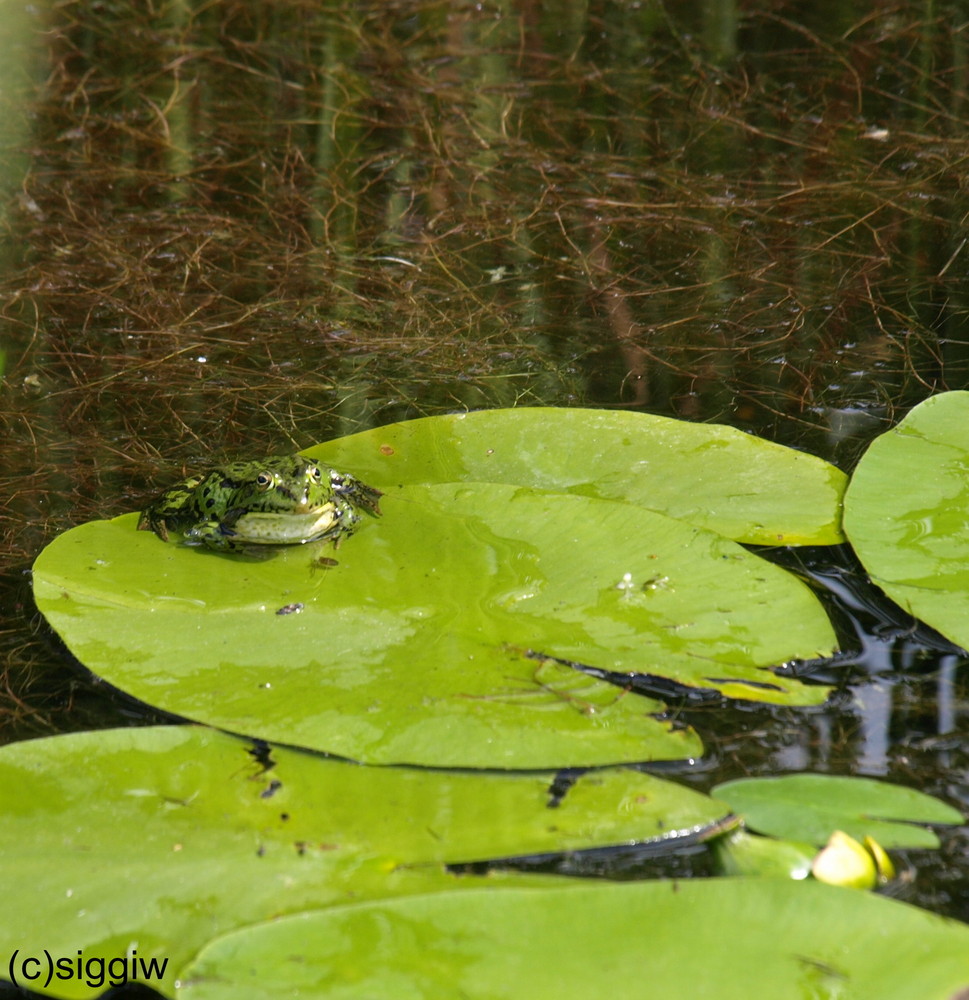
[233, 228]
[876, 705]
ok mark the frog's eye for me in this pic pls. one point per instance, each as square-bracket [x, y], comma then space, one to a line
[264, 481]
[315, 473]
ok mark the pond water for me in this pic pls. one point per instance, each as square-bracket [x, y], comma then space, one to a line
[230, 229]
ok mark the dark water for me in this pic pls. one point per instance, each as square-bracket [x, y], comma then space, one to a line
[240, 227]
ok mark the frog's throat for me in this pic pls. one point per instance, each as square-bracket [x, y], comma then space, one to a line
[289, 528]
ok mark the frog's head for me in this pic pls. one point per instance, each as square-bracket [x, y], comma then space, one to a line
[288, 484]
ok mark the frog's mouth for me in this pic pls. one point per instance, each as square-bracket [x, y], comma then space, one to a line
[307, 508]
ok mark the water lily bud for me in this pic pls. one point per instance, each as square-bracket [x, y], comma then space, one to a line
[843, 861]
[883, 863]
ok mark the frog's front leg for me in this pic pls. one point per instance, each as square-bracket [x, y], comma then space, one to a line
[149, 521]
[170, 510]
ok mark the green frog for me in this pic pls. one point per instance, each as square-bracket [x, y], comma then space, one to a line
[282, 500]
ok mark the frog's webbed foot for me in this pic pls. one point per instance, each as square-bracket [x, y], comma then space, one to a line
[358, 494]
[368, 497]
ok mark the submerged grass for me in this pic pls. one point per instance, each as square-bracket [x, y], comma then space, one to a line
[239, 227]
[276, 219]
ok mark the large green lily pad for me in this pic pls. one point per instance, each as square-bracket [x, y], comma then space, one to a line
[725, 939]
[907, 513]
[433, 639]
[711, 475]
[159, 839]
[810, 807]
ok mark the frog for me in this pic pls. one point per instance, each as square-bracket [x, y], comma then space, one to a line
[279, 500]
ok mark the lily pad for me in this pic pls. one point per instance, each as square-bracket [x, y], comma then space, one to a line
[730, 939]
[907, 513]
[810, 807]
[443, 636]
[741, 486]
[156, 840]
